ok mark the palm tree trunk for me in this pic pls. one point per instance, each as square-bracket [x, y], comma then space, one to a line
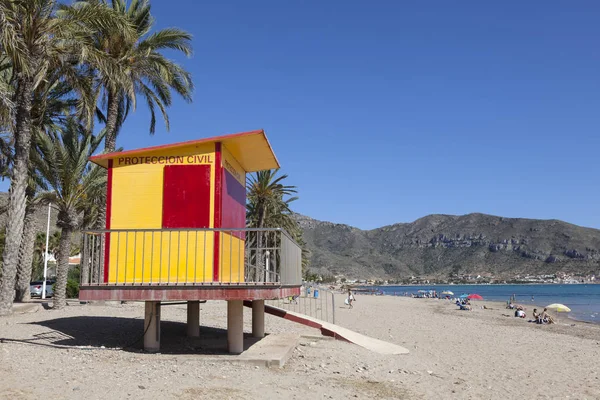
[112, 116]
[110, 145]
[16, 198]
[26, 256]
[62, 265]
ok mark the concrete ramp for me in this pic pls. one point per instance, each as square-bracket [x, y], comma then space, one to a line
[335, 331]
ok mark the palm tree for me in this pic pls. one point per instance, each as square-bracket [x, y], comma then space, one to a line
[268, 206]
[62, 161]
[36, 38]
[6, 94]
[142, 69]
[26, 250]
[54, 100]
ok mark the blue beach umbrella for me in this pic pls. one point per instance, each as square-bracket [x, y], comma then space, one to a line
[464, 296]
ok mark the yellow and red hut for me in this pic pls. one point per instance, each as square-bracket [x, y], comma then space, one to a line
[175, 226]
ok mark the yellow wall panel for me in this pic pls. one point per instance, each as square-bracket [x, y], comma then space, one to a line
[137, 193]
[231, 258]
[161, 257]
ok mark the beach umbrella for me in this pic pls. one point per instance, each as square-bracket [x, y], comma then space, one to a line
[474, 296]
[464, 296]
[559, 307]
[447, 293]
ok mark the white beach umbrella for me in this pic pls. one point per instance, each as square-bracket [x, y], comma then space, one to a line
[558, 307]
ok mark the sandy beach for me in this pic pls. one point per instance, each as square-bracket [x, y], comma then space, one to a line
[477, 354]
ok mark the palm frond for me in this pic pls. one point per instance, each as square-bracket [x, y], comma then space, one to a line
[136, 65]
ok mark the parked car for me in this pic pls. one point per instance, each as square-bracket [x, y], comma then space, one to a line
[35, 288]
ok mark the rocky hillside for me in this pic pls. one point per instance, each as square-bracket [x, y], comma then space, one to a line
[436, 245]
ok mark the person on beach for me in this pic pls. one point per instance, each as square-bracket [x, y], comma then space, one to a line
[537, 317]
[350, 299]
[546, 318]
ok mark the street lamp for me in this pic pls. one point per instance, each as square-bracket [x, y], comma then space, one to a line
[46, 254]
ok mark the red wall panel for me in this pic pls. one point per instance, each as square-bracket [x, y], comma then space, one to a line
[186, 196]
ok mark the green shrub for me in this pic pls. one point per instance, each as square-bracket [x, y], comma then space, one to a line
[72, 288]
[73, 273]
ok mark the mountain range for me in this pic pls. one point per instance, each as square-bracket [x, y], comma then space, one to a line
[438, 246]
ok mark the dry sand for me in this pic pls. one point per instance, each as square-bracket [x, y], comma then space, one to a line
[453, 354]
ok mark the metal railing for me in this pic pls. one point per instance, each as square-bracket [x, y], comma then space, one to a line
[320, 307]
[190, 256]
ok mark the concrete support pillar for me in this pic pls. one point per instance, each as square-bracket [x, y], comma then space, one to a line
[152, 326]
[258, 318]
[193, 318]
[235, 326]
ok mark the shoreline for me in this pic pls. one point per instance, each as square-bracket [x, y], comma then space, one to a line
[581, 312]
[528, 307]
[471, 284]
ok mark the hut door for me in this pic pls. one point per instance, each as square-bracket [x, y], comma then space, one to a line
[186, 196]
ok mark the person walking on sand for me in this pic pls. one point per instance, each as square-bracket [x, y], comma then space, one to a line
[350, 299]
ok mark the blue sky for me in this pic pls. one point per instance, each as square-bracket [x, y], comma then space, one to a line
[383, 112]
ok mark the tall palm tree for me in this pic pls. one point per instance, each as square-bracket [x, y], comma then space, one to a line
[54, 100]
[268, 206]
[26, 250]
[62, 161]
[37, 37]
[142, 68]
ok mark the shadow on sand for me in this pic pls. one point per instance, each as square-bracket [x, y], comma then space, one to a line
[126, 334]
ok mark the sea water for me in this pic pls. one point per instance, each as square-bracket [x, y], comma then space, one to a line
[583, 300]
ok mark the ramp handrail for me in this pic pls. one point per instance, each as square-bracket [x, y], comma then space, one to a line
[319, 305]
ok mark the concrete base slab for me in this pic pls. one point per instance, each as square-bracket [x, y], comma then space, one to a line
[272, 351]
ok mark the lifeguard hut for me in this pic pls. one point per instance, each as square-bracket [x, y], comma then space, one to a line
[175, 230]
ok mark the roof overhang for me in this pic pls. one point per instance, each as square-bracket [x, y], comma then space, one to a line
[251, 149]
